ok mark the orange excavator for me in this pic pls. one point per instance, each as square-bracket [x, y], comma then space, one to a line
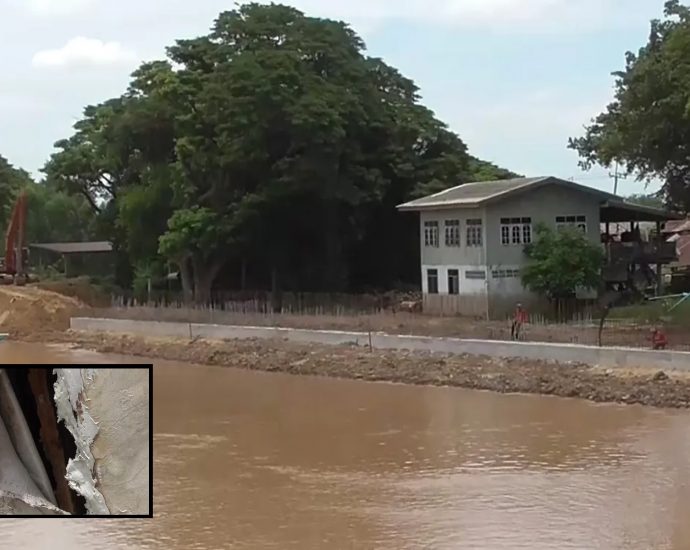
[13, 270]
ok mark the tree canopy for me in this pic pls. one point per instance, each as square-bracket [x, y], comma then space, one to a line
[646, 127]
[273, 143]
[560, 262]
[652, 199]
[53, 215]
[12, 180]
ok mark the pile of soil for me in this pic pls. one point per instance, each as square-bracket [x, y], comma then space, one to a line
[646, 387]
[80, 288]
[30, 310]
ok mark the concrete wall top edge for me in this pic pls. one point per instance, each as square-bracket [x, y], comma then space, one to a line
[401, 337]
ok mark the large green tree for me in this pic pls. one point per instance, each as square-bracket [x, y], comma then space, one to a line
[272, 142]
[646, 128]
[285, 119]
[56, 216]
[119, 161]
[53, 215]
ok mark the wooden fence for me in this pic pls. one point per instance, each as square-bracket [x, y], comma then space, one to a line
[259, 302]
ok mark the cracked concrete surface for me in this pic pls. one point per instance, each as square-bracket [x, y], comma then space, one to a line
[107, 412]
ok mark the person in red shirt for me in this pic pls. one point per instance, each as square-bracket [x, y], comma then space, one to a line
[659, 340]
[519, 319]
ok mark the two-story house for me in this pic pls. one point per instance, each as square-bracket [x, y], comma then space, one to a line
[473, 237]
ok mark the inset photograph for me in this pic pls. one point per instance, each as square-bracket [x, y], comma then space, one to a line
[75, 441]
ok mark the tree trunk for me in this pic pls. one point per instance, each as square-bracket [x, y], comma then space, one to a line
[276, 291]
[187, 283]
[204, 276]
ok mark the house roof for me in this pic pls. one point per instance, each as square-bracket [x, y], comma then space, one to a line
[472, 195]
[677, 226]
[75, 248]
[683, 247]
[618, 210]
[477, 193]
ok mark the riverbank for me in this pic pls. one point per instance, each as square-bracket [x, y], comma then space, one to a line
[616, 333]
[37, 315]
[641, 386]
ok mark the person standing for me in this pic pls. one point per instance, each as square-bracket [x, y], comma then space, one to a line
[659, 340]
[519, 319]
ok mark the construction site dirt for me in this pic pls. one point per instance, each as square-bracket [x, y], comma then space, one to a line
[642, 386]
[36, 315]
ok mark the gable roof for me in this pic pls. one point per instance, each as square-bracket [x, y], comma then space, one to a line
[475, 194]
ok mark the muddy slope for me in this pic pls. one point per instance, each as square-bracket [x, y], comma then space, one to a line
[30, 310]
[647, 387]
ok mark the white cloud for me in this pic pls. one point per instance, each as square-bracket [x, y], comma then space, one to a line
[84, 51]
[515, 15]
[56, 7]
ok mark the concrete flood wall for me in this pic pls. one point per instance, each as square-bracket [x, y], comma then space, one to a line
[565, 353]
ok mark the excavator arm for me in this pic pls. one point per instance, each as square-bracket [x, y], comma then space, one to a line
[15, 239]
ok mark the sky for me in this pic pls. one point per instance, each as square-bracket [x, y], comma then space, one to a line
[513, 78]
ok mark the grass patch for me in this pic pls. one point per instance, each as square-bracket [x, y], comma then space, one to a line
[654, 312]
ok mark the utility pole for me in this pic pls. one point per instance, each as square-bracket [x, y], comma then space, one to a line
[616, 176]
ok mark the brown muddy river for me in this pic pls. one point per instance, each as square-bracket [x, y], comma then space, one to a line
[254, 460]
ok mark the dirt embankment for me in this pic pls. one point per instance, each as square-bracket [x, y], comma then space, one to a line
[30, 311]
[79, 288]
[39, 315]
[506, 375]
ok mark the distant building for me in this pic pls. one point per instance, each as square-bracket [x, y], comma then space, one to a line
[76, 259]
[678, 231]
[473, 238]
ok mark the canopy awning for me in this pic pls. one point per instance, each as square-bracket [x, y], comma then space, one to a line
[624, 211]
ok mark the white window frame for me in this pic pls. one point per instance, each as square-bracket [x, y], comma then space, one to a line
[475, 274]
[505, 273]
[452, 233]
[431, 234]
[475, 232]
[577, 222]
[505, 235]
[516, 231]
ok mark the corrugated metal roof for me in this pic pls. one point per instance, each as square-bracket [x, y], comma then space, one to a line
[477, 193]
[75, 248]
[677, 226]
[618, 210]
[613, 208]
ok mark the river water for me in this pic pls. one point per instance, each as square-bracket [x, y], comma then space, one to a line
[254, 460]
